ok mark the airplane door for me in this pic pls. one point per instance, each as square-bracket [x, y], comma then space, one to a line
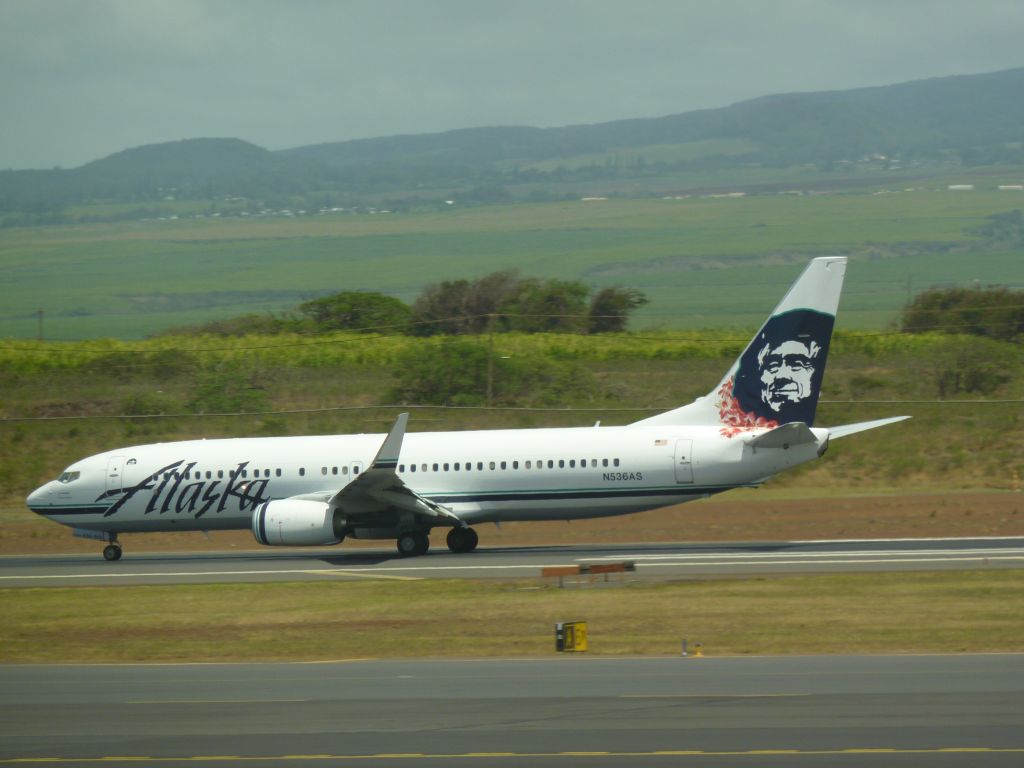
[684, 461]
[115, 473]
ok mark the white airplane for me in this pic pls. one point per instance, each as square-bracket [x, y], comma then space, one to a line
[315, 491]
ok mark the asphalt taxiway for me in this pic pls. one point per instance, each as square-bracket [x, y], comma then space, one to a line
[562, 711]
[651, 561]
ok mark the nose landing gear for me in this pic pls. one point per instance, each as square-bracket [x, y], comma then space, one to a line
[112, 551]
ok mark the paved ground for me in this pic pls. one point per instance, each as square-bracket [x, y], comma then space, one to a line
[650, 561]
[744, 515]
[563, 711]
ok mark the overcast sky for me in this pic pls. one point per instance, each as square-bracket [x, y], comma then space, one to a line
[81, 79]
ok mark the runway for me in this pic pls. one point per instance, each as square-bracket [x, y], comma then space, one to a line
[653, 561]
[563, 711]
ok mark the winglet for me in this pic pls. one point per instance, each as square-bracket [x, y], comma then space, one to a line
[387, 456]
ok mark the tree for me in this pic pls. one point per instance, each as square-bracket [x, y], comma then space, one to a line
[461, 306]
[995, 312]
[356, 310]
[610, 309]
[547, 305]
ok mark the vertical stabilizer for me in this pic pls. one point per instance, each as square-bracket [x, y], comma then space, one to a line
[778, 377]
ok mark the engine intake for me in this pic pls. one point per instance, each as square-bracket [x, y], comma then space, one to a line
[296, 523]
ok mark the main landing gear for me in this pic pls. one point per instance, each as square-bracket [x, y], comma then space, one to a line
[112, 551]
[462, 540]
[413, 543]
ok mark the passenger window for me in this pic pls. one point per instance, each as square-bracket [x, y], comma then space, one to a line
[615, 462]
[469, 466]
[551, 464]
[604, 462]
[209, 474]
[355, 470]
[435, 467]
[593, 462]
[456, 466]
[334, 470]
[572, 463]
[302, 471]
[323, 470]
[561, 463]
[446, 466]
[423, 467]
[515, 465]
[401, 467]
[529, 464]
[277, 472]
[480, 465]
[344, 470]
[503, 465]
[412, 467]
[492, 465]
[220, 474]
[245, 473]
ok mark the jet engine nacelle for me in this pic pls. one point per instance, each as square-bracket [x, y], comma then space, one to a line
[295, 523]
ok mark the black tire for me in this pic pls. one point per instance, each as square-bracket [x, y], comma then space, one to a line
[462, 540]
[111, 552]
[413, 543]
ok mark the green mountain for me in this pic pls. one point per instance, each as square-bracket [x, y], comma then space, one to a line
[968, 120]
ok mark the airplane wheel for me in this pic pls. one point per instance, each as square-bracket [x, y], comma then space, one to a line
[111, 552]
[413, 543]
[462, 540]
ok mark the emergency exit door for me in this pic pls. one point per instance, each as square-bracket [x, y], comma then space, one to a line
[684, 461]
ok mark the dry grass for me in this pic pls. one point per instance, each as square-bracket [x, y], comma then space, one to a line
[853, 613]
[757, 515]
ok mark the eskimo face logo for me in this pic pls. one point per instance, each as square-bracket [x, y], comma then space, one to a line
[780, 373]
[787, 372]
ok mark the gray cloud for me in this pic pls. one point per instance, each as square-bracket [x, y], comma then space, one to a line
[80, 79]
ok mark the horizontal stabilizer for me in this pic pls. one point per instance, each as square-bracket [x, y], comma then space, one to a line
[852, 429]
[794, 433]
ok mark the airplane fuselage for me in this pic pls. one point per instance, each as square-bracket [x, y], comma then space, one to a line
[481, 476]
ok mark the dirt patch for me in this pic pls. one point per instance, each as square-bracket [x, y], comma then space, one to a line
[743, 516]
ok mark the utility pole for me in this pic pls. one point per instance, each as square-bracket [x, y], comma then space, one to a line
[490, 358]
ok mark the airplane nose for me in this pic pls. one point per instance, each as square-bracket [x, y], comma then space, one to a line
[39, 498]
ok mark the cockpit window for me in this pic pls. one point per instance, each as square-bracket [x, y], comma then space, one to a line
[69, 477]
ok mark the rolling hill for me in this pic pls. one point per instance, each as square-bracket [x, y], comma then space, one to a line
[963, 120]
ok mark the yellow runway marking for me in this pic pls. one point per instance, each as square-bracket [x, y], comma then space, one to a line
[218, 701]
[881, 751]
[361, 574]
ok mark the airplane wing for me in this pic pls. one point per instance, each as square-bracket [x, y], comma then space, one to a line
[379, 490]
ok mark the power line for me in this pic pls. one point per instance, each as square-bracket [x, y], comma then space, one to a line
[485, 408]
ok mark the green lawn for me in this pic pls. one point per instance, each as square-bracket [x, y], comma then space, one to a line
[853, 613]
[703, 262]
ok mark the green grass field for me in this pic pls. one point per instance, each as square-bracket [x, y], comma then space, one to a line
[703, 262]
[853, 613]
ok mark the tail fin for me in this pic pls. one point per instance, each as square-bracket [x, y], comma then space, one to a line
[778, 377]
